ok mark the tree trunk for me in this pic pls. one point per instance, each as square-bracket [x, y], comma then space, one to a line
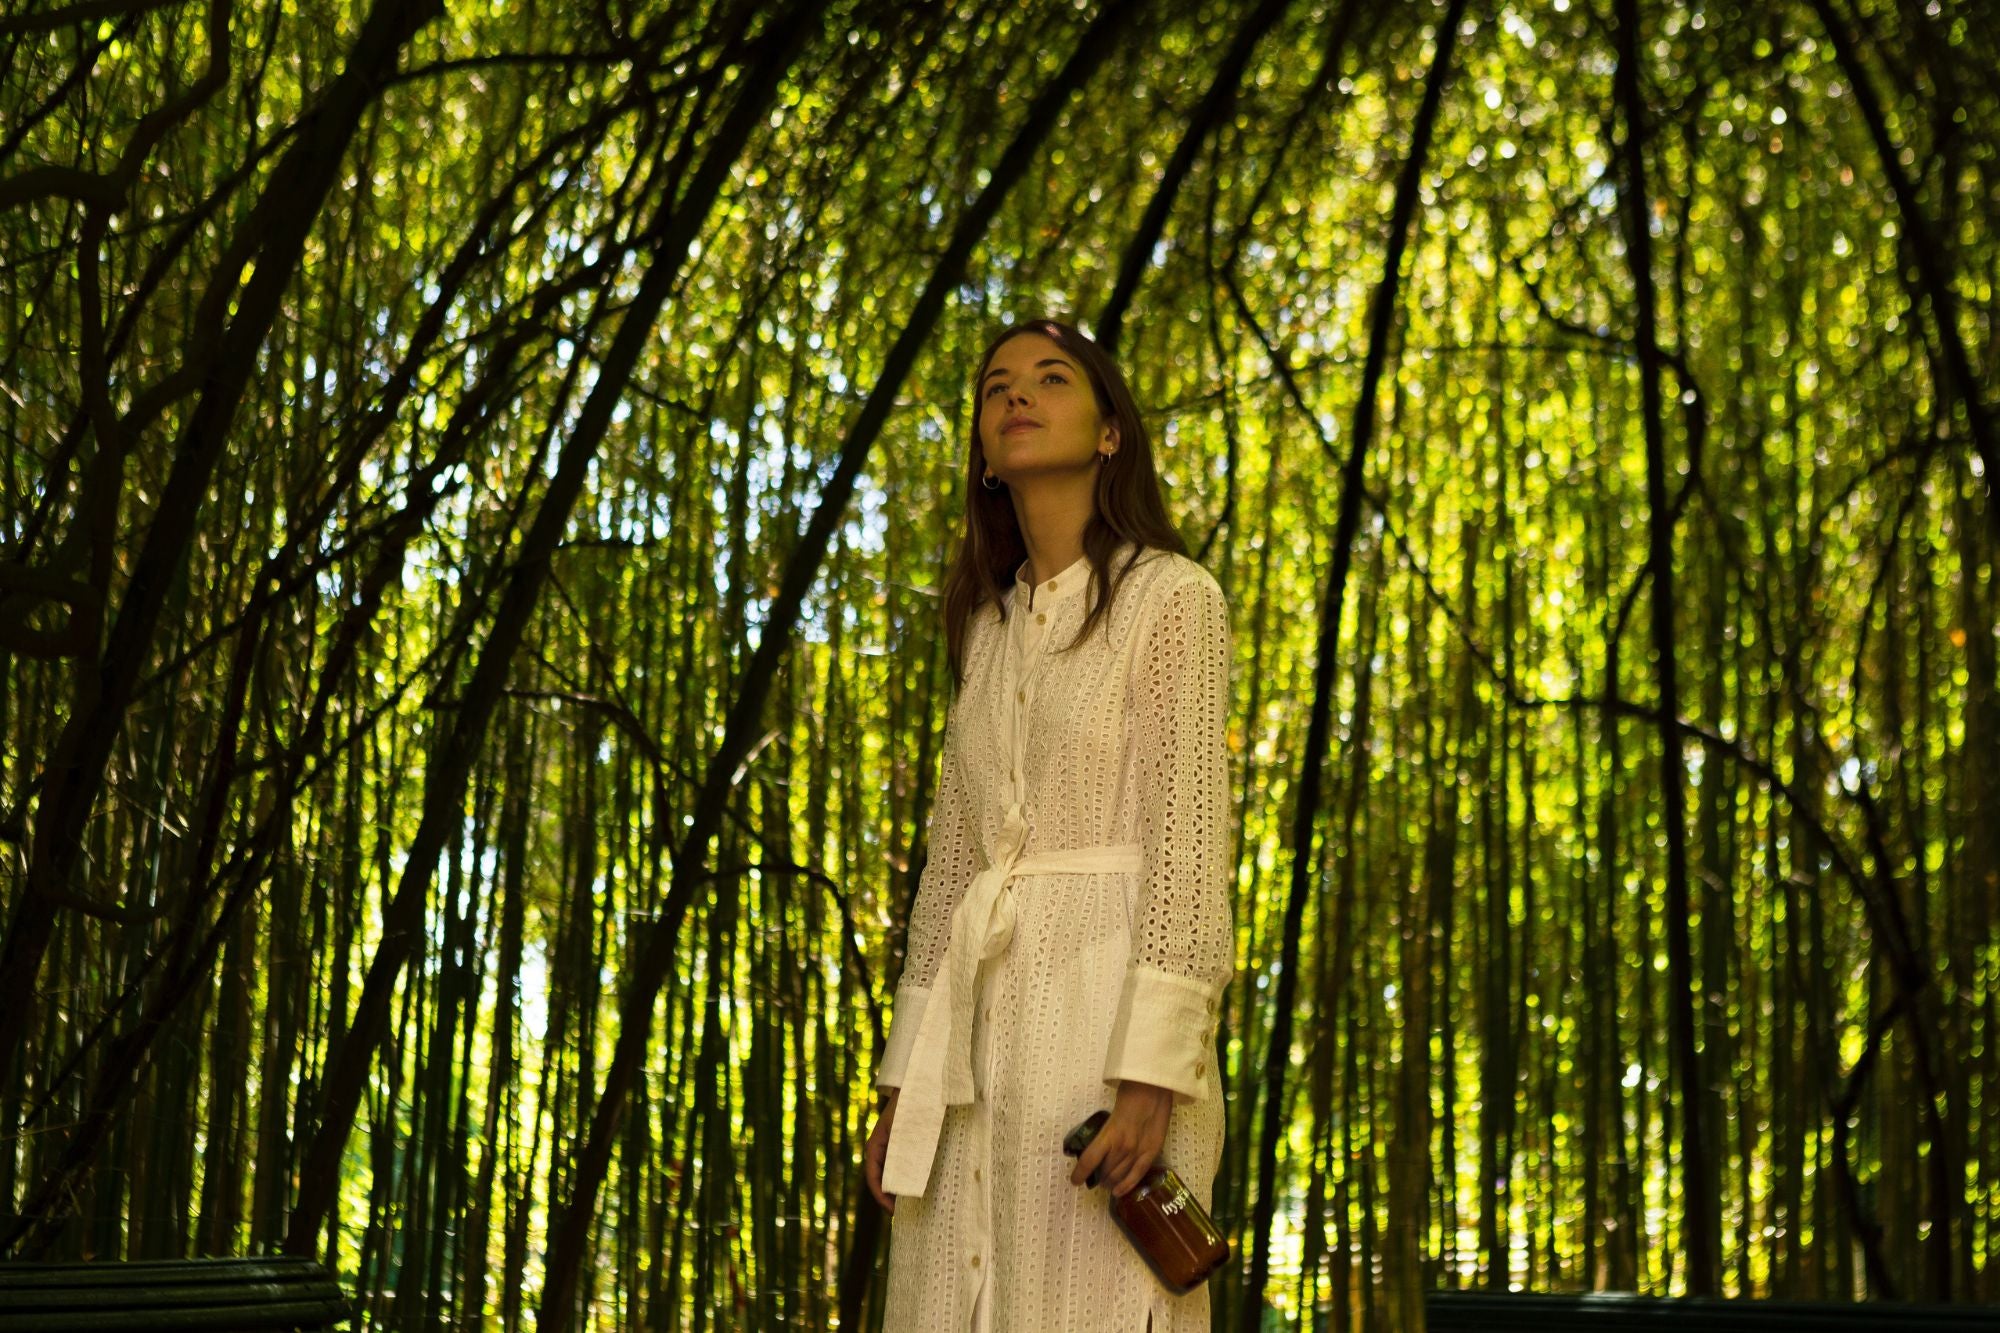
[274, 235]
[1929, 253]
[1701, 1224]
[1305, 813]
[1199, 124]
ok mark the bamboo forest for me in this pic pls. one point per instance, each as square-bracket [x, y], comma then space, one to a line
[476, 488]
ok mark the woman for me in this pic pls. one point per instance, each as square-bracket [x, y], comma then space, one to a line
[1071, 933]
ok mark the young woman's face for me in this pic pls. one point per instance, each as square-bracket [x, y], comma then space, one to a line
[1037, 412]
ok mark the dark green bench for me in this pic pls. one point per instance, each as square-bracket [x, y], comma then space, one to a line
[1623, 1312]
[210, 1295]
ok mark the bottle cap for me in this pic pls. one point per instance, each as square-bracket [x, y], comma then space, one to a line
[1079, 1138]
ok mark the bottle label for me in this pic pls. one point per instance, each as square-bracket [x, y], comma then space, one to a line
[1178, 1202]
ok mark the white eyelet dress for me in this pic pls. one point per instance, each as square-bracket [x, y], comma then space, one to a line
[1071, 929]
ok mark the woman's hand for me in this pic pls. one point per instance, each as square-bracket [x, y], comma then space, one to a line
[1128, 1145]
[878, 1150]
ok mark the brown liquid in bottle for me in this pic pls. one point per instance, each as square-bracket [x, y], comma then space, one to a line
[1162, 1219]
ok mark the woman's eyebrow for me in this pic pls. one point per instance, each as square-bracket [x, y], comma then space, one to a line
[1045, 361]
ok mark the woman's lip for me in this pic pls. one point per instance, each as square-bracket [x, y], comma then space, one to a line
[1019, 425]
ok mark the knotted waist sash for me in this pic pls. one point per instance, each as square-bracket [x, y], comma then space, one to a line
[939, 1073]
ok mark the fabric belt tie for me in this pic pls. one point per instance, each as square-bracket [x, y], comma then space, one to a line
[939, 1073]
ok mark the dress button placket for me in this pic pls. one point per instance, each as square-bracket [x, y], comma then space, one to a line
[991, 1117]
[978, 1267]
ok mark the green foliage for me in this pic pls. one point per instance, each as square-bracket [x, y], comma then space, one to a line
[1486, 1087]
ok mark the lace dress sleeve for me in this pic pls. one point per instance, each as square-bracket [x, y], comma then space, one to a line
[950, 863]
[1183, 947]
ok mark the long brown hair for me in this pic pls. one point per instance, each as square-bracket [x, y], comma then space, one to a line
[1130, 506]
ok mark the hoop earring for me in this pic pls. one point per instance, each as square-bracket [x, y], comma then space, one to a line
[989, 481]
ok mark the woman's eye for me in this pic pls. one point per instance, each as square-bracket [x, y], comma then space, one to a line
[997, 385]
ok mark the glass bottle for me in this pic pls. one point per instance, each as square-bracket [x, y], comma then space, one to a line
[1162, 1219]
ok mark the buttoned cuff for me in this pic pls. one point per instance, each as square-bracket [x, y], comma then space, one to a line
[903, 1024]
[1164, 1033]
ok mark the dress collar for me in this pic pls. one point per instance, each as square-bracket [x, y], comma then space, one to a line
[1063, 584]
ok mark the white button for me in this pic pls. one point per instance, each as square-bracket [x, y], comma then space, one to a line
[975, 1173]
[975, 1261]
[1052, 585]
[1022, 695]
[1040, 616]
